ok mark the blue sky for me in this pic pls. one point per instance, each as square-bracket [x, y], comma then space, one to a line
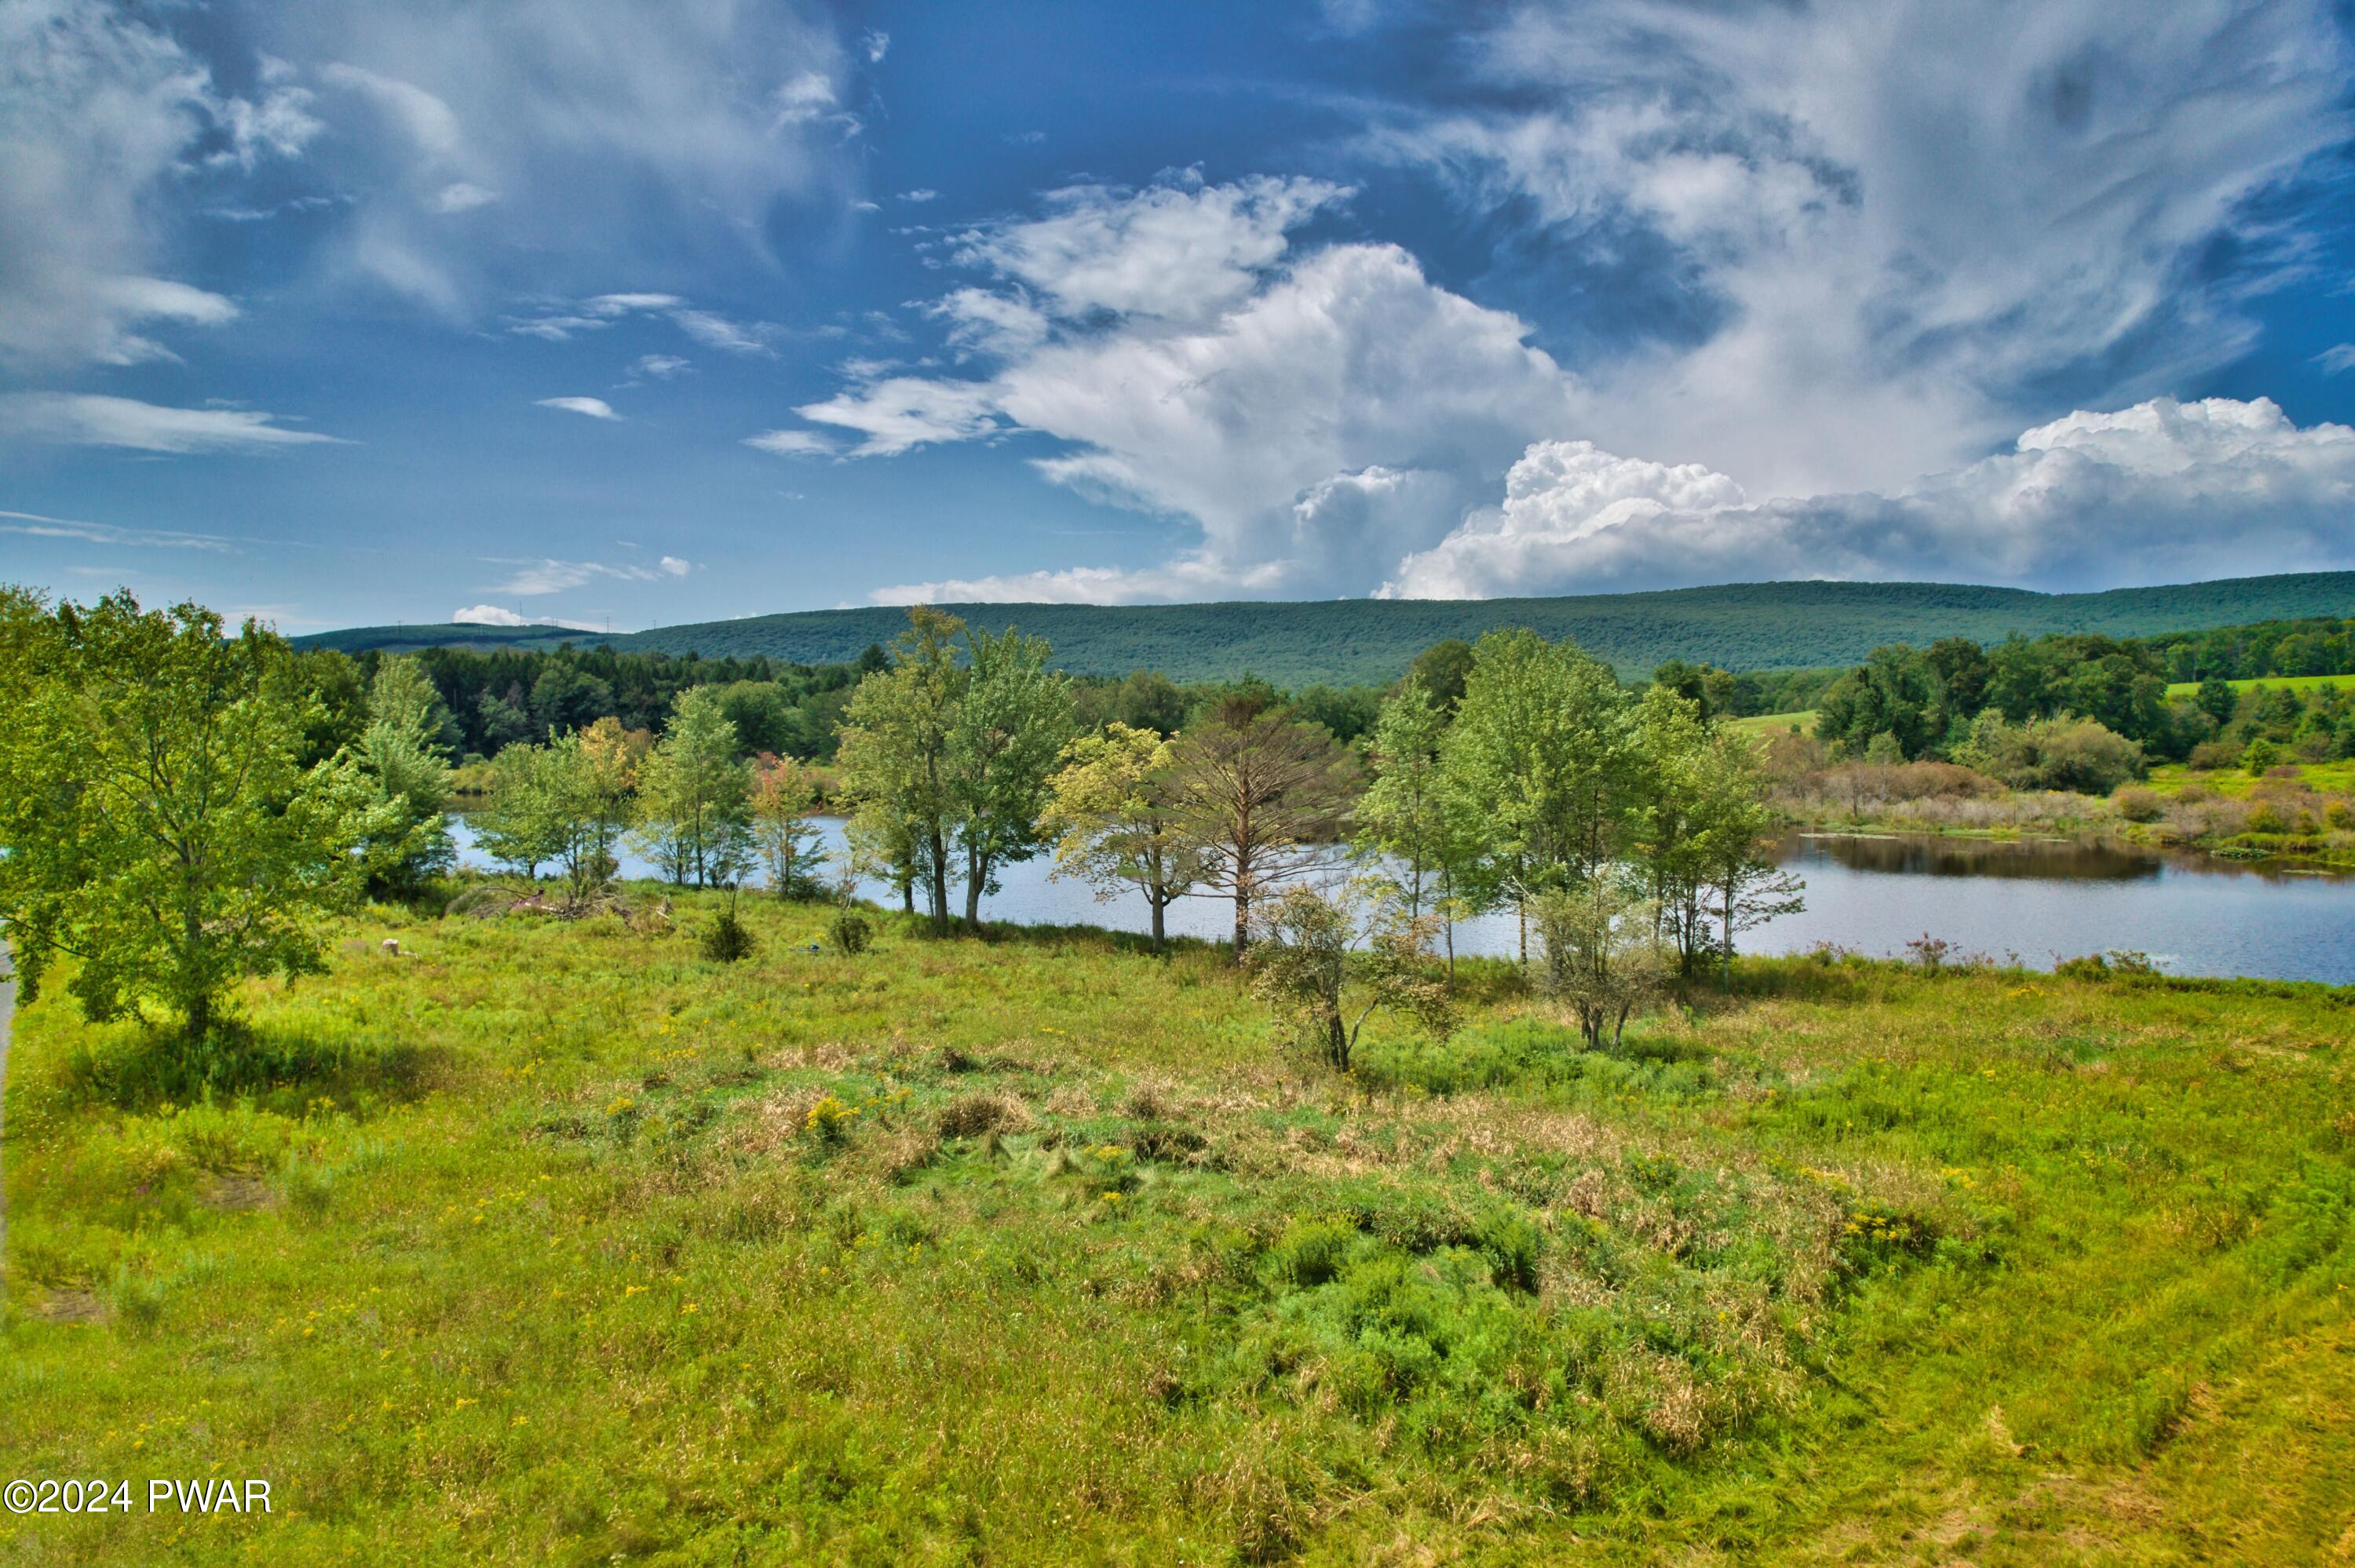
[581, 309]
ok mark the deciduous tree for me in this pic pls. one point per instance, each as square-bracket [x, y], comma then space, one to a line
[1111, 818]
[1249, 788]
[156, 825]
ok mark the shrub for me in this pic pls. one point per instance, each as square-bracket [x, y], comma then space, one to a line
[728, 939]
[850, 932]
[2137, 804]
[2261, 754]
[2061, 753]
[2118, 961]
[1311, 1252]
[1513, 1248]
[830, 1118]
[2215, 754]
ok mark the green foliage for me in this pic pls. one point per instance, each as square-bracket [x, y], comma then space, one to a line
[694, 811]
[781, 805]
[1111, 818]
[850, 932]
[2057, 753]
[157, 831]
[728, 939]
[400, 753]
[1741, 626]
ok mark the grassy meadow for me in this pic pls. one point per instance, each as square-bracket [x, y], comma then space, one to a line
[1764, 725]
[2303, 686]
[552, 1242]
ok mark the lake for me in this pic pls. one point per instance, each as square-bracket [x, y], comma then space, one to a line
[2036, 900]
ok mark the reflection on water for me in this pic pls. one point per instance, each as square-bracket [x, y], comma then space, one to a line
[2034, 902]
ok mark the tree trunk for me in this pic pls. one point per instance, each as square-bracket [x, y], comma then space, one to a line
[1726, 932]
[1336, 1041]
[976, 871]
[1160, 903]
[1242, 920]
[940, 883]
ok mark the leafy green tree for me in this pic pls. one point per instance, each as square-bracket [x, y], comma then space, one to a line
[1542, 752]
[1012, 718]
[1250, 789]
[400, 751]
[505, 719]
[1733, 826]
[1112, 819]
[523, 824]
[784, 835]
[1602, 957]
[1310, 950]
[1413, 816]
[1667, 823]
[894, 754]
[693, 806]
[1441, 670]
[2217, 699]
[156, 825]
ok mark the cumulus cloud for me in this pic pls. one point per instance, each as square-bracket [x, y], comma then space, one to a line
[1312, 416]
[93, 419]
[2158, 491]
[1839, 245]
[921, 194]
[497, 615]
[595, 407]
[1180, 249]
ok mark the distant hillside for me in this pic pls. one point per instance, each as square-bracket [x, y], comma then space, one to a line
[1739, 626]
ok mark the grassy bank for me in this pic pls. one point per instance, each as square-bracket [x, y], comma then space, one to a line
[552, 1242]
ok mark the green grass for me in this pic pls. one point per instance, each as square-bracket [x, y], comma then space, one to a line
[1764, 725]
[552, 1242]
[2290, 682]
[2329, 777]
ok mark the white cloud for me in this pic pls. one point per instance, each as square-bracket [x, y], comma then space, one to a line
[33, 524]
[495, 615]
[610, 306]
[461, 196]
[2337, 359]
[903, 412]
[792, 443]
[92, 420]
[549, 575]
[877, 43]
[1856, 243]
[717, 332]
[920, 195]
[2158, 492]
[1177, 250]
[661, 366]
[595, 407]
[102, 117]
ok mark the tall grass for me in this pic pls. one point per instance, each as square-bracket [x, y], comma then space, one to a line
[558, 1241]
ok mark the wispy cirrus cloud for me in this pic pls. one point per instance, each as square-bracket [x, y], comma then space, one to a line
[96, 419]
[34, 526]
[549, 575]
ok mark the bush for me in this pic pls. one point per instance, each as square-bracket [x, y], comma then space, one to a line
[850, 932]
[2140, 805]
[2215, 754]
[728, 939]
[2061, 753]
[2261, 755]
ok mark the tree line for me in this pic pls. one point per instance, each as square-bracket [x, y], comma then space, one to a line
[170, 826]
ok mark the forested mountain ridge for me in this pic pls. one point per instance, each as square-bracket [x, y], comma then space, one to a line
[1735, 626]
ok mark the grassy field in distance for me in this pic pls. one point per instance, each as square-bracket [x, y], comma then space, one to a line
[1763, 725]
[552, 1242]
[2293, 682]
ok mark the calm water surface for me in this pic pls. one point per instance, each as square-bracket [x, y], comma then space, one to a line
[2039, 901]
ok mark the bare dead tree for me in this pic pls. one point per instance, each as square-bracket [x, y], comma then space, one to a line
[1250, 789]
